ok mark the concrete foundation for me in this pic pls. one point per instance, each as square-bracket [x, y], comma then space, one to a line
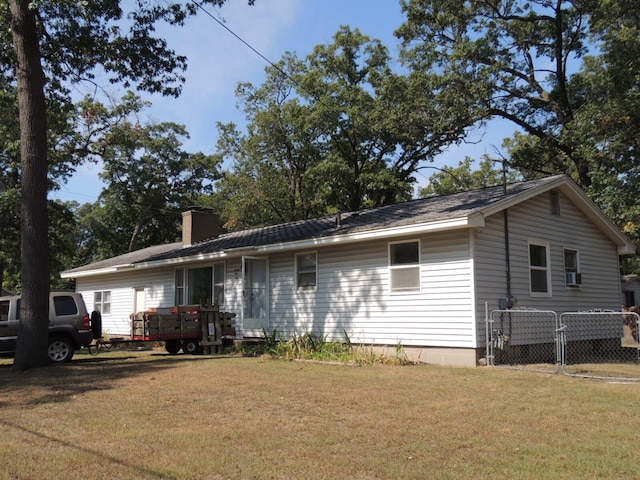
[453, 357]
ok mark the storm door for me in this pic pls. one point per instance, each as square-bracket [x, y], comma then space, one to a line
[254, 296]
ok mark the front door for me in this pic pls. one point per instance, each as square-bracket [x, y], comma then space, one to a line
[254, 308]
[139, 300]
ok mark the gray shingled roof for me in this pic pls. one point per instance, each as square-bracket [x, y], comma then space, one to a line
[129, 258]
[414, 212]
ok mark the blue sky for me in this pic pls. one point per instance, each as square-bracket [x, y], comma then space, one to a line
[218, 62]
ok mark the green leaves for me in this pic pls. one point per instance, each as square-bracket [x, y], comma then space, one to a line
[150, 177]
[338, 130]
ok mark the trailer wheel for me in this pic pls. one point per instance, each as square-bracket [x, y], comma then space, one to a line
[172, 346]
[191, 346]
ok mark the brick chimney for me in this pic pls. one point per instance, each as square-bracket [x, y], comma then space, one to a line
[198, 225]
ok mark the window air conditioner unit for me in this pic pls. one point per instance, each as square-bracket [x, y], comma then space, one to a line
[573, 279]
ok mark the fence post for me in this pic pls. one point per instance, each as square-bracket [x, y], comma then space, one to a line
[488, 320]
[561, 341]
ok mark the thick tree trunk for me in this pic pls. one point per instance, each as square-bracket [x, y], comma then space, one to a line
[34, 314]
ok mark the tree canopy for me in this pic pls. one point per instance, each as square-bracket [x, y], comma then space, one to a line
[150, 179]
[464, 178]
[564, 73]
[336, 131]
[517, 60]
[44, 47]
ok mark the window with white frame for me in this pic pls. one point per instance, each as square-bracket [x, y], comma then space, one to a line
[539, 271]
[307, 271]
[179, 282]
[102, 301]
[404, 267]
[218, 282]
[572, 275]
[194, 286]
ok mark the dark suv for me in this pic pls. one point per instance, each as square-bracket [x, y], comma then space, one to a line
[69, 325]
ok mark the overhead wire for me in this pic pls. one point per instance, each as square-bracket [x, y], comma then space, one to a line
[317, 97]
[252, 48]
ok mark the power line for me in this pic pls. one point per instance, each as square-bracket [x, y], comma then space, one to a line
[248, 45]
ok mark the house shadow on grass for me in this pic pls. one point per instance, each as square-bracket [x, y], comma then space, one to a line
[61, 383]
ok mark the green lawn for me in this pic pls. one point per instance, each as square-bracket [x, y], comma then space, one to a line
[149, 415]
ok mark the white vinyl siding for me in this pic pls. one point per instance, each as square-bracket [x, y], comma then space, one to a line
[533, 220]
[159, 292]
[353, 295]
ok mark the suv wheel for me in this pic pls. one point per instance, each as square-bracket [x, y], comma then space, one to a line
[60, 349]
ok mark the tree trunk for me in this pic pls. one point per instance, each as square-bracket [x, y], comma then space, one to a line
[31, 350]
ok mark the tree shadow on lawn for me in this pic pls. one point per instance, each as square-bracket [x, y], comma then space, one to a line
[60, 383]
[139, 470]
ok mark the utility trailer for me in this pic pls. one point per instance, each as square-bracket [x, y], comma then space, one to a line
[193, 329]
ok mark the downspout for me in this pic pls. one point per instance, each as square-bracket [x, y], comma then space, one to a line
[507, 257]
[506, 254]
[505, 214]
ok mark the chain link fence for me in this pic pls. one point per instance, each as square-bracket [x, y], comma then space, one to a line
[593, 344]
[523, 339]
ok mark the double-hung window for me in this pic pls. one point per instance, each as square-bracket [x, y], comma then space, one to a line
[102, 302]
[307, 271]
[404, 267]
[572, 275]
[539, 271]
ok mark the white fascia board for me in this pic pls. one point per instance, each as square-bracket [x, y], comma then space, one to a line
[624, 245]
[202, 257]
[474, 221]
[97, 271]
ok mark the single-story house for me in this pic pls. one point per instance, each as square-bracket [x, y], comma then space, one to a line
[419, 274]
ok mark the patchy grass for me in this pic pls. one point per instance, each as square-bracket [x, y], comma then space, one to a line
[148, 415]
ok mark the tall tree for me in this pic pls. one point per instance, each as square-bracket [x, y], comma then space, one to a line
[69, 40]
[508, 59]
[463, 178]
[335, 131]
[31, 348]
[65, 150]
[149, 177]
[565, 73]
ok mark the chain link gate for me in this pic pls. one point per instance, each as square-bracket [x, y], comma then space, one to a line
[523, 339]
[594, 344]
[601, 344]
